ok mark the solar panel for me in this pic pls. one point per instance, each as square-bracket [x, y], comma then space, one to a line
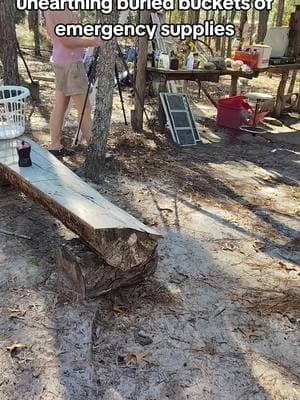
[180, 119]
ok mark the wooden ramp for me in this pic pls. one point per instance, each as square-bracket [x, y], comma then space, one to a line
[121, 240]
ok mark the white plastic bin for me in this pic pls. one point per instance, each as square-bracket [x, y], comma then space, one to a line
[12, 111]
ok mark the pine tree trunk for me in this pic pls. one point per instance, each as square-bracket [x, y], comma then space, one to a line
[8, 43]
[104, 99]
[243, 20]
[218, 38]
[262, 25]
[280, 13]
[224, 38]
[196, 16]
[229, 44]
[252, 25]
[33, 24]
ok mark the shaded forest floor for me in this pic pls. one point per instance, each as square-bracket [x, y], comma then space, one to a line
[221, 315]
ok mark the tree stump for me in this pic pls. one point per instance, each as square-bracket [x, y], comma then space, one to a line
[86, 273]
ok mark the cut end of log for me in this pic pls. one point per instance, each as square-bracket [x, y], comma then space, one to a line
[125, 249]
[86, 273]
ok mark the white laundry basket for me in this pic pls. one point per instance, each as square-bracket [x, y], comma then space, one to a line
[12, 111]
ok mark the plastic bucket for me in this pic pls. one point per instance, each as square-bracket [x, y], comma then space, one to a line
[233, 112]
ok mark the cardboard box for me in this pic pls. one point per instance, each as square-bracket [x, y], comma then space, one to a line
[264, 54]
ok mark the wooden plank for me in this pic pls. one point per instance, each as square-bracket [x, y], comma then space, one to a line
[121, 240]
[200, 74]
[233, 86]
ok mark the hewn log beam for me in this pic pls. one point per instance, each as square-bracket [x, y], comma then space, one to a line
[121, 240]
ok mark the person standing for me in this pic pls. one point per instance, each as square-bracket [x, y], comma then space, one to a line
[70, 78]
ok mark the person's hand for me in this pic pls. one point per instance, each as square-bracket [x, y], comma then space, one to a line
[97, 42]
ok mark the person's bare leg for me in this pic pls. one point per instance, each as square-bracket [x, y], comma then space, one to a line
[86, 124]
[57, 119]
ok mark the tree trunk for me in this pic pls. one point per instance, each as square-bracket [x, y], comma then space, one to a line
[104, 99]
[252, 25]
[193, 16]
[229, 45]
[223, 41]
[262, 25]
[8, 43]
[218, 38]
[280, 99]
[196, 17]
[280, 12]
[140, 81]
[33, 24]
[182, 17]
[292, 82]
[211, 17]
[243, 20]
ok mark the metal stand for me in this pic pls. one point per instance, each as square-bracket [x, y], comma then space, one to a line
[259, 98]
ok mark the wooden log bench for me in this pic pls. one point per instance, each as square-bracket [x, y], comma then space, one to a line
[124, 244]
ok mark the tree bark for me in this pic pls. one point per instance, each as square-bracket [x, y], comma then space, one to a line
[252, 25]
[229, 44]
[292, 82]
[104, 99]
[262, 25]
[243, 20]
[280, 12]
[223, 41]
[8, 43]
[218, 38]
[33, 24]
[140, 81]
[280, 99]
[86, 273]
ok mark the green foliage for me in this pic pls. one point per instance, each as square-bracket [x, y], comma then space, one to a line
[26, 38]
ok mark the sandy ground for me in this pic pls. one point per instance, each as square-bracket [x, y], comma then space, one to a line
[221, 315]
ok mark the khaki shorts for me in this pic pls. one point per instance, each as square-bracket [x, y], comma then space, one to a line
[71, 79]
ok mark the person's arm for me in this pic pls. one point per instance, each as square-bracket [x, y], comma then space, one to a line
[58, 17]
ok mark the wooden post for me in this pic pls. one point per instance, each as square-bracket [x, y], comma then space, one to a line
[140, 80]
[280, 100]
[233, 86]
[292, 82]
